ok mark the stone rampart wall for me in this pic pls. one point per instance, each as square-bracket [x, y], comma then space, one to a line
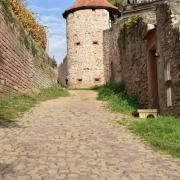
[20, 68]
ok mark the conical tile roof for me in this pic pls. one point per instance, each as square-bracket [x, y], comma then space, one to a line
[91, 4]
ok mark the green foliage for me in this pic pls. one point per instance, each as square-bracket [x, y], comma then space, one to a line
[117, 3]
[54, 63]
[119, 100]
[16, 12]
[28, 42]
[163, 133]
[24, 39]
[132, 22]
[6, 10]
[33, 49]
[13, 105]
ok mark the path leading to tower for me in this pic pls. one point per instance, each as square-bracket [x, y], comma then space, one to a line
[76, 138]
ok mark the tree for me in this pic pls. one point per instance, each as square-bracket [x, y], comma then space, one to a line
[117, 3]
[54, 63]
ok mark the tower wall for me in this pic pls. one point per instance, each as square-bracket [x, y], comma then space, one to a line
[85, 47]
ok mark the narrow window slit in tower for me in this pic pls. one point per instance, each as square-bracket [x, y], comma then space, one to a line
[97, 79]
[78, 43]
[95, 42]
[79, 80]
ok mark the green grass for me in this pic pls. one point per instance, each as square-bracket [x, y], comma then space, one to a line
[163, 133]
[14, 105]
[118, 99]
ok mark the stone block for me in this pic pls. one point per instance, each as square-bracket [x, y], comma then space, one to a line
[147, 113]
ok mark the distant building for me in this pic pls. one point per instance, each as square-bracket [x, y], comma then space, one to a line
[86, 21]
[141, 49]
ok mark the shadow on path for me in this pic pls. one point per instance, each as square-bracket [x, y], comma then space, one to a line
[6, 169]
[7, 123]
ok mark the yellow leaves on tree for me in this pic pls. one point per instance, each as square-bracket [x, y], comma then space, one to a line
[27, 19]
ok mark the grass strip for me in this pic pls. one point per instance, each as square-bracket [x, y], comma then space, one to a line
[163, 133]
[14, 105]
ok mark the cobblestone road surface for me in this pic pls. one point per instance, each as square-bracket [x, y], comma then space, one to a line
[75, 138]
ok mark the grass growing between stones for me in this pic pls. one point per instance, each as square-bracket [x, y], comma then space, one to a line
[163, 133]
[118, 99]
[14, 105]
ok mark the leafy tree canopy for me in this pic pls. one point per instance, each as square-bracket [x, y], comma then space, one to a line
[117, 3]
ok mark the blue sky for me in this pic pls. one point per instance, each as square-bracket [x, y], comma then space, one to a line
[49, 12]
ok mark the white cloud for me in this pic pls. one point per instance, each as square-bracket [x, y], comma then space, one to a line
[42, 10]
[57, 47]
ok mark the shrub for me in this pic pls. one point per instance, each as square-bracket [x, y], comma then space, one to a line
[118, 98]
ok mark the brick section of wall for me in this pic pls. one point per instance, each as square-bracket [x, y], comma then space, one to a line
[168, 24]
[19, 69]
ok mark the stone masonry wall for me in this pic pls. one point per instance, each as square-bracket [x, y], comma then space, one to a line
[85, 47]
[19, 69]
[112, 64]
[131, 51]
[133, 57]
[168, 33]
[62, 73]
[126, 58]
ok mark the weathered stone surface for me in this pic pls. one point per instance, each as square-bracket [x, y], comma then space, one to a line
[168, 33]
[128, 55]
[85, 47]
[112, 64]
[75, 138]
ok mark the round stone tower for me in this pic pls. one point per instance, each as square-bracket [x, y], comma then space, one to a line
[86, 21]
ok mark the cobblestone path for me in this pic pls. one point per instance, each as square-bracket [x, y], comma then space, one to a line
[75, 138]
